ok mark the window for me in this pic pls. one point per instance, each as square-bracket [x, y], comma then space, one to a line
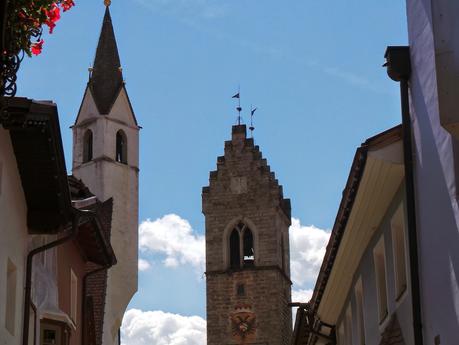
[398, 247]
[10, 310]
[380, 271]
[87, 146]
[121, 147]
[235, 255]
[54, 333]
[248, 247]
[73, 296]
[359, 313]
[241, 246]
[240, 289]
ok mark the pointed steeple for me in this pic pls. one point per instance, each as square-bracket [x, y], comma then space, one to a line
[106, 78]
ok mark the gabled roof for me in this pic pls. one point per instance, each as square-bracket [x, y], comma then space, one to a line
[106, 79]
[36, 139]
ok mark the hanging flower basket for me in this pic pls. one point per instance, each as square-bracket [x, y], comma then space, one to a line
[23, 23]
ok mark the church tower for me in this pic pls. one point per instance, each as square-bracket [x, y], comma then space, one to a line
[106, 159]
[247, 249]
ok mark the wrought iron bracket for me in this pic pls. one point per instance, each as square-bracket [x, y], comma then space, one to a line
[9, 63]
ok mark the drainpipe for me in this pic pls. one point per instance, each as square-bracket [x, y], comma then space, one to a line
[28, 285]
[399, 69]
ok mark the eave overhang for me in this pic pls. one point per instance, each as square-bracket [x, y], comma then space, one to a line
[92, 239]
[37, 144]
[376, 174]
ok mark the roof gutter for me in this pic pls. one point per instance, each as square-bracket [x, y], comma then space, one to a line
[399, 69]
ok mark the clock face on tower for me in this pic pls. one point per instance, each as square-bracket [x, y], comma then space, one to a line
[243, 324]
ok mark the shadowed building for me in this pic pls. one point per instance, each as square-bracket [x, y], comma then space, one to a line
[247, 249]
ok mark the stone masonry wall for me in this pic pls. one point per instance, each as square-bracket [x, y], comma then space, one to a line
[244, 189]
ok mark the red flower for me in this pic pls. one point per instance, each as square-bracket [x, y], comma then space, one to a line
[67, 4]
[37, 47]
[53, 15]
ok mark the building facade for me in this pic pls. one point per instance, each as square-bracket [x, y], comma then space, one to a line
[383, 299]
[57, 231]
[247, 249]
[433, 32]
[53, 238]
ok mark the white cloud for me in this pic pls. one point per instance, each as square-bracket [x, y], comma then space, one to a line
[301, 295]
[160, 328]
[307, 249]
[144, 265]
[173, 237]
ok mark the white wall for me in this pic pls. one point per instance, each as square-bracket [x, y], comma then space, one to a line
[366, 272]
[436, 154]
[107, 178]
[13, 235]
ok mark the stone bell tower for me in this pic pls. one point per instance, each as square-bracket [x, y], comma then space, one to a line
[247, 249]
[106, 159]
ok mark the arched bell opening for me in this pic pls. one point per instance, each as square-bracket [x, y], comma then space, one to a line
[121, 147]
[235, 256]
[87, 146]
[248, 247]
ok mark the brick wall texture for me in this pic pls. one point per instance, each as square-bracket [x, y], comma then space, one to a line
[243, 189]
[96, 284]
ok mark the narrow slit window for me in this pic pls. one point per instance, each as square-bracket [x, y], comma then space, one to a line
[121, 147]
[235, 255]
[249, 251]
[87, 146]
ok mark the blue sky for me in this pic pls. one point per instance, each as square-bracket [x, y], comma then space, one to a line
[313, 69]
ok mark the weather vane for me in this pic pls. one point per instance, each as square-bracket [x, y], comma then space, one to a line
[252, 111]
[238, 108]
[107, 2]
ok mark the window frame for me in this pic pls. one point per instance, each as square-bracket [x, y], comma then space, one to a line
[88, 146]
[240, 229]
[121, 147]
[380, 264]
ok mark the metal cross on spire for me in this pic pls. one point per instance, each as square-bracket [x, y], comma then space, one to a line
[238, 108]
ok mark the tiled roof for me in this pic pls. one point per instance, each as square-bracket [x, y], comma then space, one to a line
[106, 79]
